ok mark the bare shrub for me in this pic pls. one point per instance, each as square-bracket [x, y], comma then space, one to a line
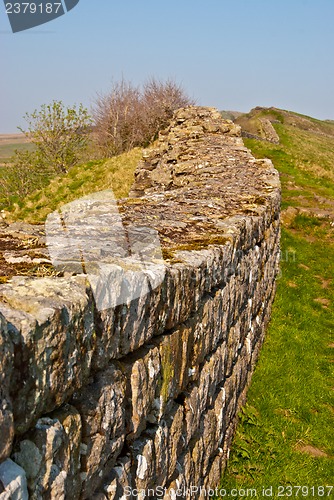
[160, 100]
[116, 116]
[129, 116]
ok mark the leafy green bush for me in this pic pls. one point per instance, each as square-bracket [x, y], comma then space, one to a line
[59, 134]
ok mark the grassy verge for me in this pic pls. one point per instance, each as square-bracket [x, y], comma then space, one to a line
[285, 432]
[285, 435]
[116, 173]
[302, 173]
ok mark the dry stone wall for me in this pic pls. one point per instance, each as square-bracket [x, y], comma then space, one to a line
[144, 396]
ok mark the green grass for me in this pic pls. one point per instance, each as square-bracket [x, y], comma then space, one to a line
[300, 167]
[116, 173]
[290, 402]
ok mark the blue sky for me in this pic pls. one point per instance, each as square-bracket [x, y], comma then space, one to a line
[231, 54]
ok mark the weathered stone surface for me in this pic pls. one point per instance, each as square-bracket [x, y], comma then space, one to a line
[50, 323]
[13, 483]
[6, 414]
[120, 483]
[102, 408]
[116, 326]
[267, 131]
[144, 463]
[175, 422]
[143, 373]
[50, 455]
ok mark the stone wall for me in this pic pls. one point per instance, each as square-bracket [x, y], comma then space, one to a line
[96, 403]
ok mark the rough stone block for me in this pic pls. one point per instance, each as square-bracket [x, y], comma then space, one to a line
[13, 483]
[102, 409]
[211, 376]
[50, 323]
[6, 414]
[126, 328]
[143, 374]
[50, 456]
[176, 362]
[143, 463]
[156, 453]
[215, 473]
[175, 423]
[119, 484]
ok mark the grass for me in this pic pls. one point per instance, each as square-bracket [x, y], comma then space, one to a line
[116, 173]
[290, 401]
[300, 166]
[285, 435]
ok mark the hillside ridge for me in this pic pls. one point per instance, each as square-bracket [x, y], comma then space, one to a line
[250, 121]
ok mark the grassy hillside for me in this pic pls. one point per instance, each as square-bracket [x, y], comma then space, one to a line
[285, 436]
[304, 157]
[116, 173]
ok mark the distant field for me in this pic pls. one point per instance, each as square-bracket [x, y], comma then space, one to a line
[9, 143]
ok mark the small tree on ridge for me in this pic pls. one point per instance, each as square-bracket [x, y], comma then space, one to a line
[59, 134]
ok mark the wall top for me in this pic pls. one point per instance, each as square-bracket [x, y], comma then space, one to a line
[198, 175]
[197, 186]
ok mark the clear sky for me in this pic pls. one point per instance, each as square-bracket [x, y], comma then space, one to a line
[231, 54]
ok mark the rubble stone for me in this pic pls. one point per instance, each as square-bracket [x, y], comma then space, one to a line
[50, 455]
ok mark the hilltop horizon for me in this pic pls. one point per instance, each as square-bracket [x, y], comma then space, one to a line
[226, 113]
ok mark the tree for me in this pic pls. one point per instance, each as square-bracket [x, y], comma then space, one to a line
[59, 134]
[130, 116]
